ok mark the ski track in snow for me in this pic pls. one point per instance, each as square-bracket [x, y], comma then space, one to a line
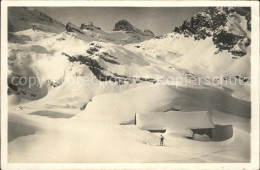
[131, 133]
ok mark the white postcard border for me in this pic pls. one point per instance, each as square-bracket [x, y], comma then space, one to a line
[254, 88]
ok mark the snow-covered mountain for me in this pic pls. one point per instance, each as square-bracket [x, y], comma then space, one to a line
[194, 49]
[229, 28]
[123, 33]
[128, 71]
[22, 18]
[214, 42]
[136, 34]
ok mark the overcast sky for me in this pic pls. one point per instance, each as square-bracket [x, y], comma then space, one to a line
[160, 20]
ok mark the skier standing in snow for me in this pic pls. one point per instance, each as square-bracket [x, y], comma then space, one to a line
[20, 107]
[161, 140]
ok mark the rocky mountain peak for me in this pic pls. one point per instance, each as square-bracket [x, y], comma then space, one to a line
[70, 27]
[131, 30]
[219, 23]
[90, 26]
[149, 32]
[124, 25]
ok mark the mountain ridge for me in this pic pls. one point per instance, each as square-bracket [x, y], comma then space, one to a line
[213, 22]
[22, 18]
[124, 56]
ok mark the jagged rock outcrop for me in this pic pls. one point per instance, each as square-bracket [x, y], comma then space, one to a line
[96, 60]
[218, 23]
[124, 25]
[149, 32]
[36, 28]
[70, 27]
[136, 34]
[90, 26]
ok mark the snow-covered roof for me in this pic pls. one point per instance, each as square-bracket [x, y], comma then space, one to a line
[174, 120]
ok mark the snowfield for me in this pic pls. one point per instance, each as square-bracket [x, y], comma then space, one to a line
[99, 137]
[55, 120]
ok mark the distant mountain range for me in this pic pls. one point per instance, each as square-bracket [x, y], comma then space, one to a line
[214, 41]
[124, 32]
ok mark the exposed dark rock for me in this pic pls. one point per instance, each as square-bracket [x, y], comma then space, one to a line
[159, 36]
[89, 26]
[124, 25]
[18, 38]
[109, 60]
[20, 18]
[225, 40]
[98, 71]
[83, 106]
[70, 27]
[211, 22]
[36, 28]
[149, 33]
[12, 86]
[92, 50]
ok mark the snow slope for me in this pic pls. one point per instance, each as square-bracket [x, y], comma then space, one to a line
[96, 131]
[214, 43]
[22, 18]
